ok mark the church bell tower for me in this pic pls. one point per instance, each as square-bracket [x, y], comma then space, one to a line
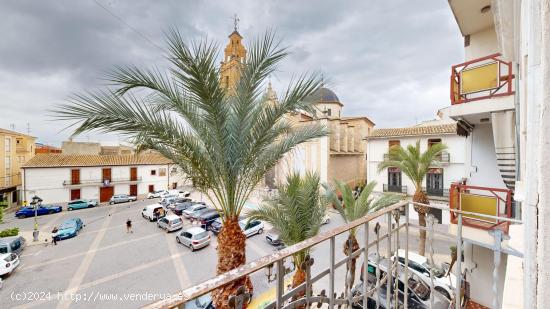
[234, 58]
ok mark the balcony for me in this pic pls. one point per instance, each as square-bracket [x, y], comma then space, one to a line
[398, 189]
[436, 192]
[97, 182]
[479, 79]
[326, 275]
[480, 202]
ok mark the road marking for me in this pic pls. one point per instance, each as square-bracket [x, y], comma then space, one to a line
[181, 271]
[87, 252]
[106, 279]
[76, 281]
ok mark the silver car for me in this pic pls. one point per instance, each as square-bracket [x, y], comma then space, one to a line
[170, 223]
[192, 209]
[194, 238]
[122, 198]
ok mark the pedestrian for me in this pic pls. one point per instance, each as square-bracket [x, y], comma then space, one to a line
[54, 235]
[129, 226]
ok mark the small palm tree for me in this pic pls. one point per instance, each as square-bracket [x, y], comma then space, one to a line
[415, 165]
[225, 141]
[352, 209]
[297, 213]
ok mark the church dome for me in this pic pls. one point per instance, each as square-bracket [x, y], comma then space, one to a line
[325, 95]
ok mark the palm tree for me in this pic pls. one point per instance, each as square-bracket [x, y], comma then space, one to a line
[415, 165]
[224, 140]
[352, 209]
[296, 213]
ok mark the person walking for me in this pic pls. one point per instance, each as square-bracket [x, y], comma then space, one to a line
[54, 235]
[129, 226]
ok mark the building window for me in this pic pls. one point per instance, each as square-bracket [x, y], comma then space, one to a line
[393, 143]
[7, 163]
[394, 179]
[434, 182]
[151, 188]
[433, 141]
[153, 172]
[329, 112]
[162, 171]
[7, 144]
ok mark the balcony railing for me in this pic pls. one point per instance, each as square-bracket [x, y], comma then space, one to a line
[398, 189]
[92, 182]
[436, 192]
[386, 271]
[482, 201]
[482, 78]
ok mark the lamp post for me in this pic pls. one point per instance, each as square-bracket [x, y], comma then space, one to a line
[36, 202]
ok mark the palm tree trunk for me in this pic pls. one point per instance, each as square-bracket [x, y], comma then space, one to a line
[231, 254]
[421, 197]
[351, 245]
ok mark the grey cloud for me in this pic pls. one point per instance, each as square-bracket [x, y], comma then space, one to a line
[388, 60]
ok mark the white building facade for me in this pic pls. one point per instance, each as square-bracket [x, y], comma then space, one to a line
[453, 165]
[59, 178]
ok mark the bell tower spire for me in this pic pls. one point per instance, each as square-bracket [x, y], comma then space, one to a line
[234, 57]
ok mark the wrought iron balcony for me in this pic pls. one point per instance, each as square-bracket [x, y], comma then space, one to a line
[388, 269]
[95, 182]
[483, 78]
[436, 192]
[398, 189]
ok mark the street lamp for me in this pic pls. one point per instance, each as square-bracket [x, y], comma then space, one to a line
[36, 202]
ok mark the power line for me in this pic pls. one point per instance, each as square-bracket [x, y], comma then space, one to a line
[127, 25]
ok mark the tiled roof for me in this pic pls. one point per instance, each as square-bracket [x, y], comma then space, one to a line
[4, 131]
[448, 128]
[61, 160]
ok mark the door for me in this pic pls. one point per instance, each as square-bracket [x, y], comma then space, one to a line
[133, 173]
[105, 193]
[151, 188]
[174, 185]
[75, 177]
[133, 190]
[106, 174]
[75, 194]
[394, 179]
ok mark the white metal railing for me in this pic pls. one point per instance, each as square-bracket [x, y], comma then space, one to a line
[394, 284]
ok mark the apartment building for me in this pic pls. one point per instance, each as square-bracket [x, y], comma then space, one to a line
[64, 177]
[15, 150]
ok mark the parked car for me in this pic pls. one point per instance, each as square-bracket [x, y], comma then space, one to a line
[12, 244]
[167, 200]
[419, 265]
[201, 302]
[326, 219]
[178, 208]
[196, 214]
[8, 263]
[206, 219]
[194, 238]
[28, 211]
[170, 223]
[192, 209]
[82, 203]
[156, 194]
[122, 198]
[216, 226]
[180, 200]
[273, 237]
[418, 291]
[148, 211]
[179, 193]
[251, 227]
[69, 228]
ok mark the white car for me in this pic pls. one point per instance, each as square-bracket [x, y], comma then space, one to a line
[179, 193]
[156, 194]
[326, 219]
[251, 227]
[8, 262]
[419, 265]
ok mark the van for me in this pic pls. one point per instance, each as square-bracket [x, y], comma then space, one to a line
[12, 244]
[149, 211]
[170, 223]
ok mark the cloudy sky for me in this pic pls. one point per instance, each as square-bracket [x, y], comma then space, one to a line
[389, 60]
